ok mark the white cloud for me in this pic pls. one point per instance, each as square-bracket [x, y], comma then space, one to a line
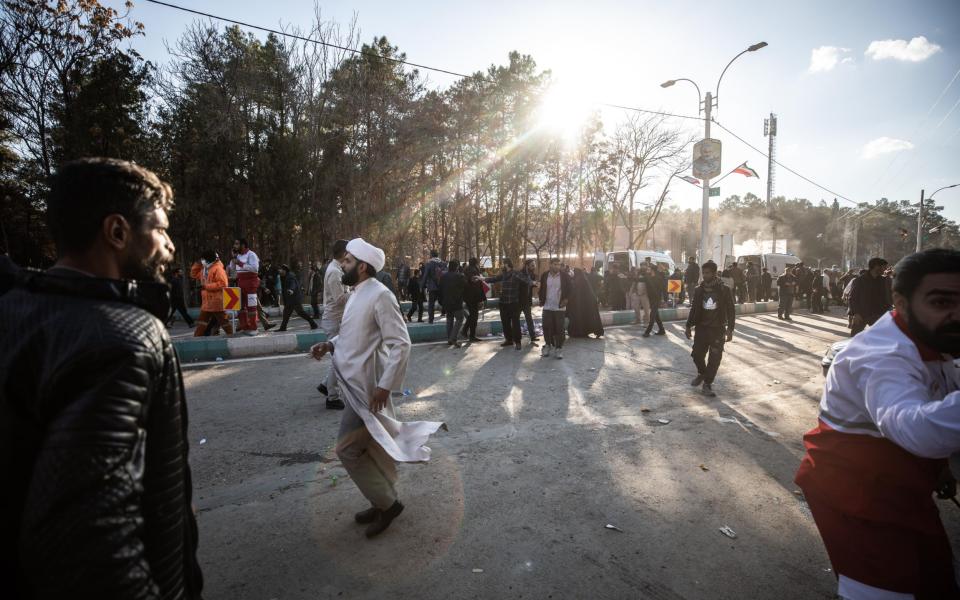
[884, 145]
[918, 49]
[825, 58]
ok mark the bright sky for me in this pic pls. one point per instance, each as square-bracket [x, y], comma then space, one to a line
[854, 83]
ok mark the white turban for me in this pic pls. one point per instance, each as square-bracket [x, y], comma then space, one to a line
[368, 253]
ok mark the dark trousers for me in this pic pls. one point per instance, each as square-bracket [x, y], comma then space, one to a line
[786, 306]
[473, 314]
[554, 327]
[315, 305]
[181, 308]
[291, 307]
[764, 293]
[526, 310]
[708, 339]
[654, 317]
[741, 289]
[817, 301]
[416, 305]
[454, 321]
[434, 296]
[618, 301]
[510, 318]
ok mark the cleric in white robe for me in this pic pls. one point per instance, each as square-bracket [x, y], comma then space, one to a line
[370, 358]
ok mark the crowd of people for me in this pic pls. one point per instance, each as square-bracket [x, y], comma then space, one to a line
[99, 491]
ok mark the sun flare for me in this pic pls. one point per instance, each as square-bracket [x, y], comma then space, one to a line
[563, 111]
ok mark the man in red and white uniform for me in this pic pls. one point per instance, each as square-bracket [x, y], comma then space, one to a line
[248, 279]
[889, 419]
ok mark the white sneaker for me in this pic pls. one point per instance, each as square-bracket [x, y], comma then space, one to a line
[545, 351]
[559, 353]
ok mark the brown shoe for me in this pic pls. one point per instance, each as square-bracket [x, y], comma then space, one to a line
[367, 516]
[383, 520]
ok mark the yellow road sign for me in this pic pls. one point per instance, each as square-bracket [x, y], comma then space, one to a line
[231, 298]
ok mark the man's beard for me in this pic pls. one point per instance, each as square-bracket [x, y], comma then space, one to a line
[351, 277]
[945, 338]
[147, 269]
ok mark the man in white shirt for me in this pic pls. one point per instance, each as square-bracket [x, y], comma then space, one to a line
[335, 296]
[553, 292]
[889, 419]
[248, 279]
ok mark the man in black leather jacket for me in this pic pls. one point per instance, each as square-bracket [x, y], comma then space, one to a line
[93, 421]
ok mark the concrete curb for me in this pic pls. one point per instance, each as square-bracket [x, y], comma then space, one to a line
[241, 346]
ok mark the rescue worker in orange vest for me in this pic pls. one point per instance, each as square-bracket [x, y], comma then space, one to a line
[213, 279]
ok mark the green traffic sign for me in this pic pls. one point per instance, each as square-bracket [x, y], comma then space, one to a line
[714, 191]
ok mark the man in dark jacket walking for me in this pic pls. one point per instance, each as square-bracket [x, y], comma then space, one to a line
[786, 290]
[176, 299]
[870, 296]
[713, 314]
[430, 282]
[691, 277]
[655, 285]
[453, 283]
[315, 288]
[93, 422]
[526, 299]
[293, 297]
[509, 280]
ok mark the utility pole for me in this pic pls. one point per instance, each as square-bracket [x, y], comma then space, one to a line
[770, 132]
[706, 247]
[920, 223]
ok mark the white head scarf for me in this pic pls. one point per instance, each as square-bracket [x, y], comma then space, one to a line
[367, 252]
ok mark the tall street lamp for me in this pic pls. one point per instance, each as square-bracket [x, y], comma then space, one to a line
[920, 214]
[706, 106]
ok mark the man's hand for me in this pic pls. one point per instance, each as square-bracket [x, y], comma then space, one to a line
[688, 333]
[730, 335]
[379, 400]
[858, 320]
[317, 351]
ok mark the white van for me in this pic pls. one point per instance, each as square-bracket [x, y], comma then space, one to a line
[775, 262]
[627, 259]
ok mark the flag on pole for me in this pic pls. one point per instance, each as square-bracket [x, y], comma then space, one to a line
[692, 180]
[745, 170]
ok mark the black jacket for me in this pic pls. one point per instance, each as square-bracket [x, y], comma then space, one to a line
[452, 286]
[93, 446]
[473, 293]
[727, 310]
[564, 287]
[655, 285]
[292, 292]
[413, 287]
[692, 274]
[870, 297]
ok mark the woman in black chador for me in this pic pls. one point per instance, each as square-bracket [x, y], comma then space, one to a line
[582, 308]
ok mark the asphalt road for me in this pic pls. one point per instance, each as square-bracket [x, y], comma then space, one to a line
[541, 455]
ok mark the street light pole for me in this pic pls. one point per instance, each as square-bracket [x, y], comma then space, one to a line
[705, 214]
[708, 111]
[920, 213]
[920, 224]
